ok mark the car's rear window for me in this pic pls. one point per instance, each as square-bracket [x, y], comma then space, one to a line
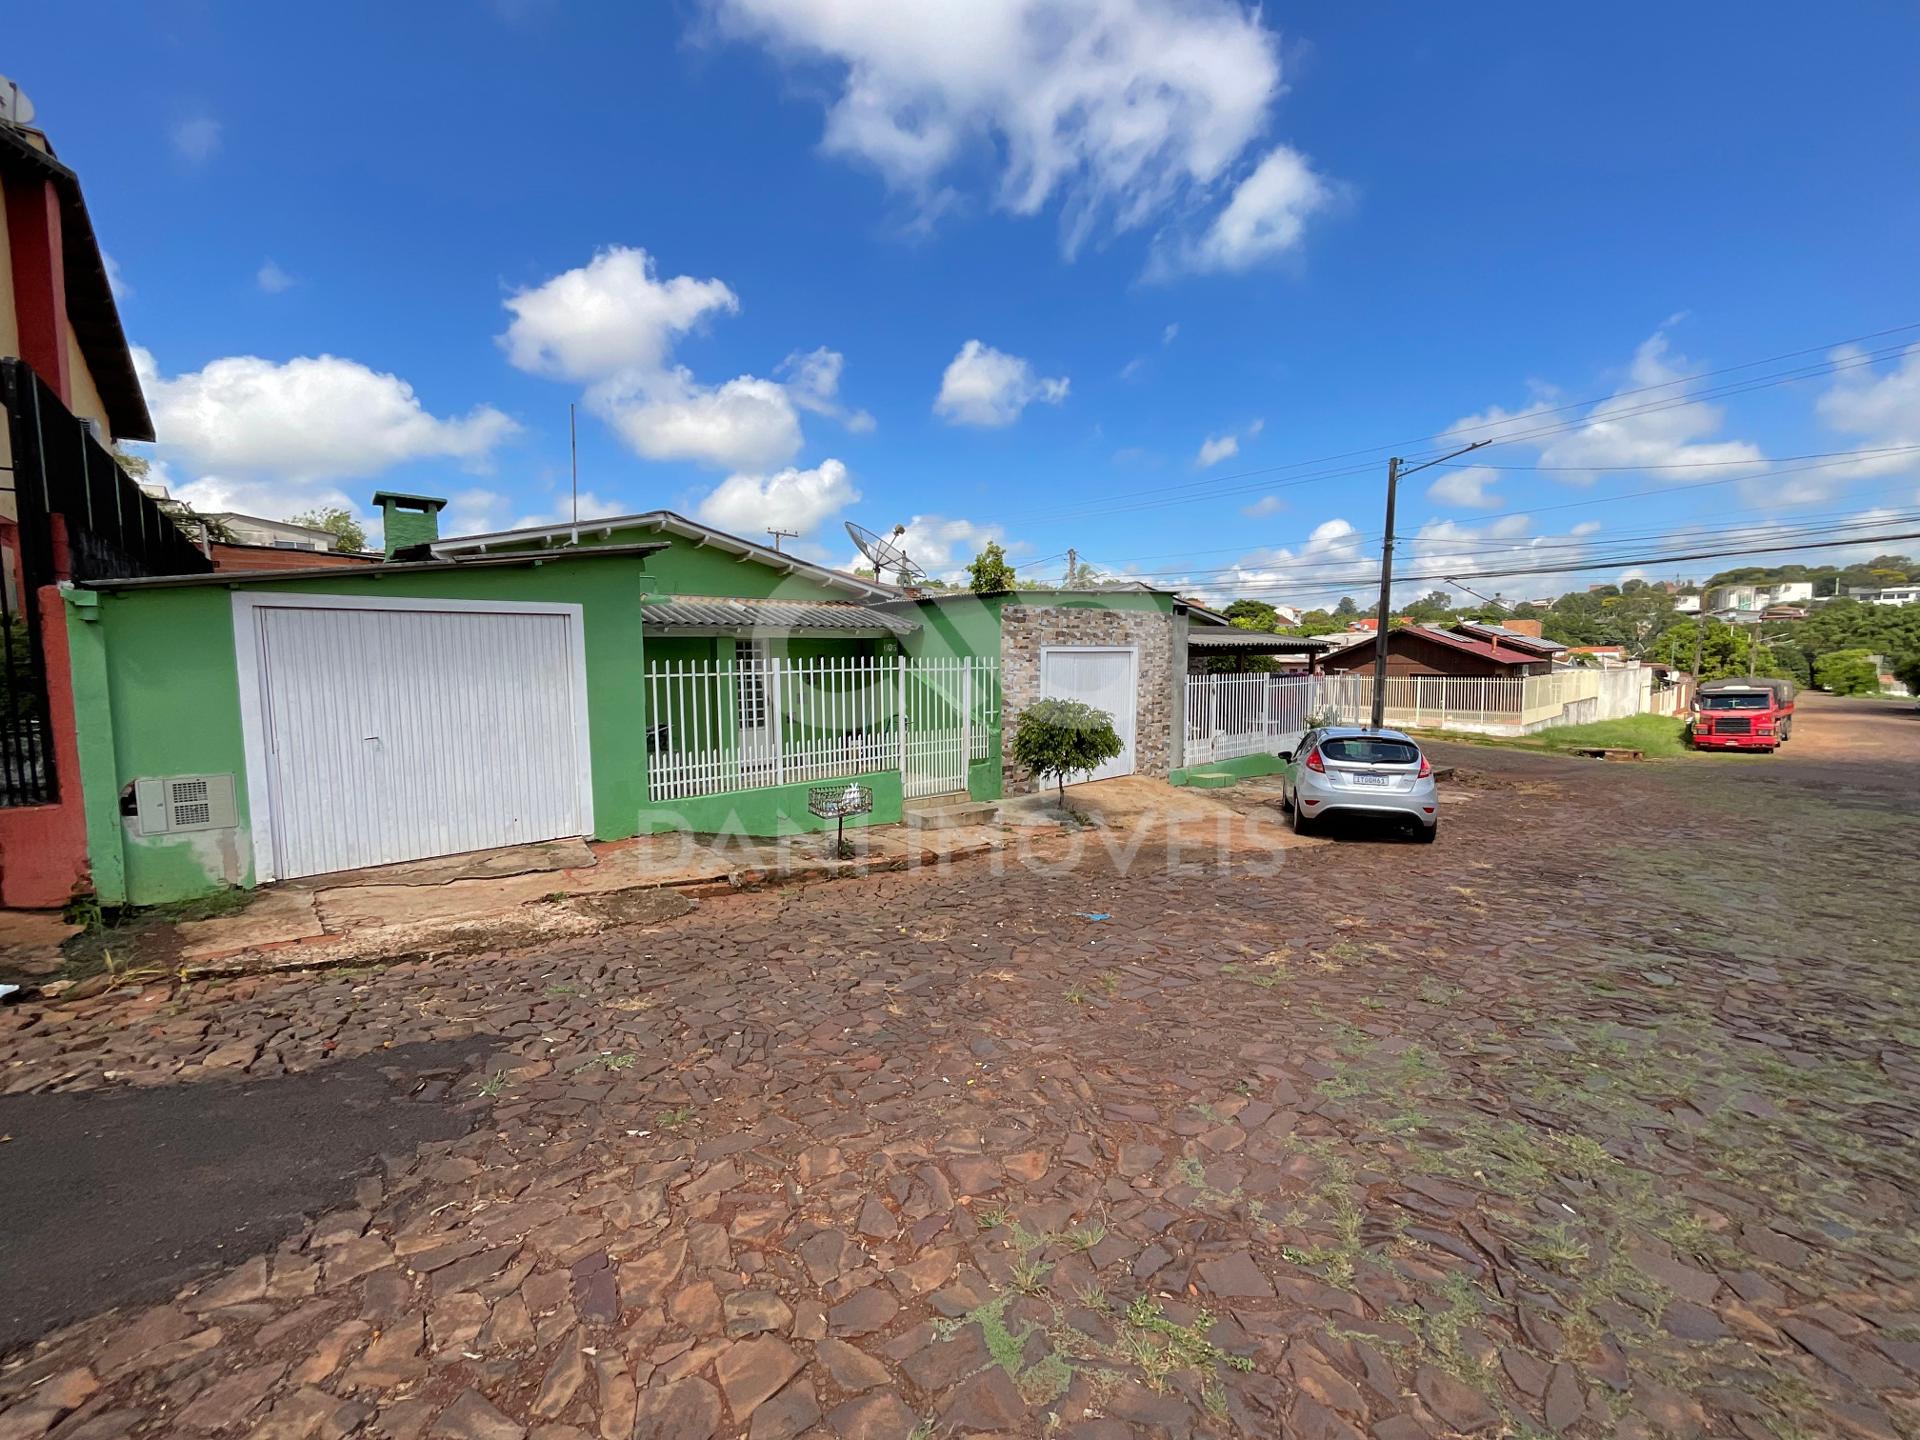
[1367, 750]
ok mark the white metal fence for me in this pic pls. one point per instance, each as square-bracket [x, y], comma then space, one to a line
[713, 727]
[1233, 715]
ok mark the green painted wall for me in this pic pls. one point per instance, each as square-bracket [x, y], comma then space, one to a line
[173, 705]
[774, 810]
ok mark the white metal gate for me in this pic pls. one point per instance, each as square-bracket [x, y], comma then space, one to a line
[382, 731]
[1103, 677]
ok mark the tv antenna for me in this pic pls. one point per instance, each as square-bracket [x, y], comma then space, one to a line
[886, 554]
[15, 107]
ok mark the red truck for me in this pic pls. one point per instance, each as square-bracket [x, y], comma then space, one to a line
[1743, 713]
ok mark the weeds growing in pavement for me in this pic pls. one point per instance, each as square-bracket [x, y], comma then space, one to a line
[1085, 1237]
[492, 1085]
[673, 1119]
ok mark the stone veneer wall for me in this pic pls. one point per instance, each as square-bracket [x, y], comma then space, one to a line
[1025, 629]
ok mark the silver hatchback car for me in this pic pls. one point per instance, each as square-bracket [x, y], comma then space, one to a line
[1352, 769]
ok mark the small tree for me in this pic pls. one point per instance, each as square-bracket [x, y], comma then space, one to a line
[1057, 738]
[990, 574]
[348, 533]
[1846, 672]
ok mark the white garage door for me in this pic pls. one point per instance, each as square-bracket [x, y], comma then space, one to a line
[1103, 678]
[386, 731]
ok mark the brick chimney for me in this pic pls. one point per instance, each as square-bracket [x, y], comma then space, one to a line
[409, 523]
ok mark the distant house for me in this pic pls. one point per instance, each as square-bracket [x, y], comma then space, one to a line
[1430, 650]
[1521, 635]
[1898, 595]
[1606, 656]
[273, 534]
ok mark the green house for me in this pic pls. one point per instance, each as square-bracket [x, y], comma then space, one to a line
[604, 679]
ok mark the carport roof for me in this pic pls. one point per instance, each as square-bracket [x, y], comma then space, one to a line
[711, 615]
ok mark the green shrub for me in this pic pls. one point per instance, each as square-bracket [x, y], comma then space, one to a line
[1846, 672]
[1058, 738]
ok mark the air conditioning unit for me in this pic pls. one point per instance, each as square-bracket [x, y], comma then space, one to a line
[172, 804]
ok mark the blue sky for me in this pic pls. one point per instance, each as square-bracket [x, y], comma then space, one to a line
[1092, 273]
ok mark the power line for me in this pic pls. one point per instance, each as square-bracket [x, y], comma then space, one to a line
[1358, 536]
[1802, 372]
[1604, 563]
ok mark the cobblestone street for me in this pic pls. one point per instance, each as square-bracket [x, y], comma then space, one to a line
[1598, 1117]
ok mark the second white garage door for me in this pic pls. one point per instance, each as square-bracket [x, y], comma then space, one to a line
[382, 731]
[1101, 676]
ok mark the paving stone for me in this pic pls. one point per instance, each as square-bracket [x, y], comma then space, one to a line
[1235, 1277]
[749, 1371]
[793, 1411]
[881, 1415]
[687, 1409]
[749, 1312]
[851, 1369]
[863, 1313]
[230, 1400]
[473, 1417]
[1458, 1404]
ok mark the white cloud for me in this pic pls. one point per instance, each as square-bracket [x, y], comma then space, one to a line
[790, 499]
[1216, 448]
[1124, 111]
[272, 279]
[1266, 215]
[1167, 335]
[1585, 527]
[813, 380]
[607, 316]
[306, 420]
[1266, 505]
[196, 139]
[612, 324]
[116, 282]
[1466, 487]
[987, 387]
[1875, 409]
[746, 423]
[482, 512]
[1648, 423]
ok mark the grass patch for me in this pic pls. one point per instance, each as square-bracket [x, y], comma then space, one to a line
[1656, 736]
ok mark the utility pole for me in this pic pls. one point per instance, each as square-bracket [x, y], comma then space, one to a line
[1073, 566]
[1383, 616]
[1383, 622]
[779, 535]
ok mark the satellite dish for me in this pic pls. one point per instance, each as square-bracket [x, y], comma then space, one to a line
[887, 554]
[15, 107]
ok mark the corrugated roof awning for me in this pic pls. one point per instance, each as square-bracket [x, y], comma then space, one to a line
[715, 615]
[1255, 642]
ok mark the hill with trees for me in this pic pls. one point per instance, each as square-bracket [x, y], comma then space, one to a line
[1642, 617]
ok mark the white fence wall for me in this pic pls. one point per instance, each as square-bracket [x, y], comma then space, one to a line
[741, 725]
[1233, 715]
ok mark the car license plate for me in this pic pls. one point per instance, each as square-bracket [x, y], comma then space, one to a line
[1381, 780]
